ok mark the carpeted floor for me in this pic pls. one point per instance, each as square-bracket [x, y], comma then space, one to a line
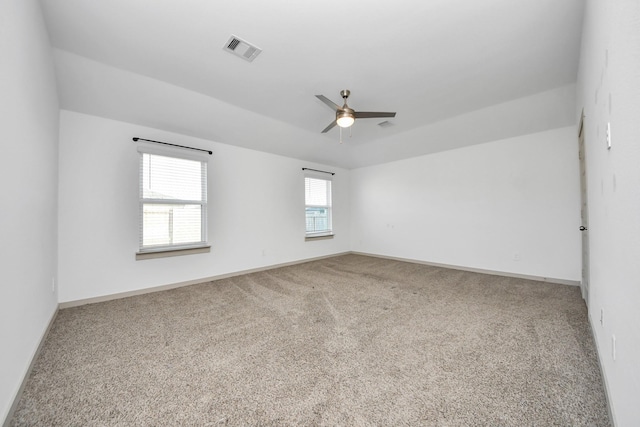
[349, 340]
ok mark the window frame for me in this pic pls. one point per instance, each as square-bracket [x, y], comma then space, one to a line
[156, 251]
[328, 233]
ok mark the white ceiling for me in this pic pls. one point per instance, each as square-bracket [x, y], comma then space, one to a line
[160, 63]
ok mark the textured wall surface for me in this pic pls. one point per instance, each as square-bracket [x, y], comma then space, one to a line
[28, 184]
[510, 206]
[256, 211]
[609, 93]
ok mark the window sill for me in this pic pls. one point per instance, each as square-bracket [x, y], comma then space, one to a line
[164, 253]
[320, 237]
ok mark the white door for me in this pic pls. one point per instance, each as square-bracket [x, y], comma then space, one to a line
[584, 215]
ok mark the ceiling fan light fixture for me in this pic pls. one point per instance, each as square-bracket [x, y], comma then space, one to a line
[345, 119]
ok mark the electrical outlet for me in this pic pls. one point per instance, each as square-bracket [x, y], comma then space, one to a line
[516, 256]
[613, 347]
[602, 317]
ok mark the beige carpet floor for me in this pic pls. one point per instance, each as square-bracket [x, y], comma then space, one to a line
[349, 340]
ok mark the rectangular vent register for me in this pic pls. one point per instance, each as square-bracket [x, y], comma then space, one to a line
[242, 48]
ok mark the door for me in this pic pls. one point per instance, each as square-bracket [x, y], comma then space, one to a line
[584, 214]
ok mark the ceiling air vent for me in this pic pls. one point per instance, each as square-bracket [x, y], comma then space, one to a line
[241, 48]
[385, 124]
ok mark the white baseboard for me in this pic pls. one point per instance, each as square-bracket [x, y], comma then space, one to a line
[477, 270]
[607, 393]
[585, 293]
[27, 374]
[111, 297]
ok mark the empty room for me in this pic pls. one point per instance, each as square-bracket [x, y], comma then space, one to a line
[320, 213]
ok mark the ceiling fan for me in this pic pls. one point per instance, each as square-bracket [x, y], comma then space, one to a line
[345, 116]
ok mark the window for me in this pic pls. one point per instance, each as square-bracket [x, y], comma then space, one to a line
[173, 201]
[318, 205]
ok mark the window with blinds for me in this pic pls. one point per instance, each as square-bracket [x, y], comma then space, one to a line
[173, 201]
[317, 205]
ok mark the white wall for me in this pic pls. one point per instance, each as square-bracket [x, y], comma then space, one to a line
[256, 204]
[477, 207]
[28, 184]
[609, 92]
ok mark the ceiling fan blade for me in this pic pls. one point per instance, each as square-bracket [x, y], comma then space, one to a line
[328, 128]
[329, 102]
[371, 114]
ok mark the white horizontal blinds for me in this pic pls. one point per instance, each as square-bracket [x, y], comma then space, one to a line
[317, 192]
[173, 201]
[171, 178]
[317, 204]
